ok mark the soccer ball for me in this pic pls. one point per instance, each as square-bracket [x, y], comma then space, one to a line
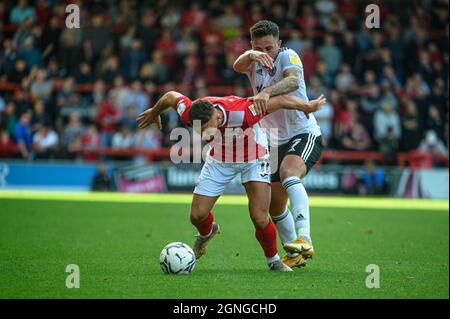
[177, 258]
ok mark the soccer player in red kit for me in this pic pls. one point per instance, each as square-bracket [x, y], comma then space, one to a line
[216, 120]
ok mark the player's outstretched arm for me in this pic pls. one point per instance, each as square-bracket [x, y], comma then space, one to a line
[151, 115]
[294, 103]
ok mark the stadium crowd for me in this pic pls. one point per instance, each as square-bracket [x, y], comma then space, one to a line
[64, 90]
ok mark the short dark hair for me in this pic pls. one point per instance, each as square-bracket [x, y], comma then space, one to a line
[201, 110]
[263, 28]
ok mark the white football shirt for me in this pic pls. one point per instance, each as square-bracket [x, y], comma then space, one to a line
[288, 122]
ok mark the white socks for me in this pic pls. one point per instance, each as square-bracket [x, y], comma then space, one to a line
[285, 226]
[272, 259]
[299, 205]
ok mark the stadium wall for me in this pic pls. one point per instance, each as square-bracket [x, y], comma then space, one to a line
[167, 177]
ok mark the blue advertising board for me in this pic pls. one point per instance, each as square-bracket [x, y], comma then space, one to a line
[57, 176]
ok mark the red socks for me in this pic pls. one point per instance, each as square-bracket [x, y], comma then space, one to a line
[267, 238]
[205, 226]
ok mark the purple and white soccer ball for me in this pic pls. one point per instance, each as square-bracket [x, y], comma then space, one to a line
[177, 259]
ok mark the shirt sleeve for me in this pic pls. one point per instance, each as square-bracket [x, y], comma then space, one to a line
[182, 105]
[251, 117]
[290, 59]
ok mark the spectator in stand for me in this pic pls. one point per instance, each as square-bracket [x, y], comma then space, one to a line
[84, 74]
[344, 117]
[138, 97]
[149, 138]
[171, 18]
[40, 115]
[22, 34]
[308, 19]
[435, 121]
[96, 37]
[349, 51]
[373, 180]
[194, 16]
[8, 118]
[310, 58]
[8, 57]
[110, 69]
[124, 140]
[167, 45]
[322, 73]
[19, 72]
[70, 51]
[45, 142]
[388, 146]
[102, 181]
[62, 97]
[389, 97]
[22, 98]
[390, 78]
[330, 54]
[129, 118]
[158, 73]
[370, 104]
[132, 60]
[98, 93]
[21, 12]
[411, 127]
[432, 144]
[41, 87]
[30, 53]
[71, 139]
[229, 22]
[147, 31]
[2, 106]
[127, 39]
[387, 121]
[295, 42]
[7, 146]
[119, 93]
[51, 37]
[23, 135]
[345, 80]
[355, 137]
[43, 12]
[90, 142]
[108, 117]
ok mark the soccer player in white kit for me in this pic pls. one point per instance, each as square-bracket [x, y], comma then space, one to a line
[274, 70]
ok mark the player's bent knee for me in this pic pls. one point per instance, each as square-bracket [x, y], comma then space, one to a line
[197, 215]
[286, 171]
[260, 222]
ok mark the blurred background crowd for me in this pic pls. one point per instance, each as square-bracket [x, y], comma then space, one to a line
[67, 90]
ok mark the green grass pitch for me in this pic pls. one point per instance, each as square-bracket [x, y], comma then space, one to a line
[117, 242]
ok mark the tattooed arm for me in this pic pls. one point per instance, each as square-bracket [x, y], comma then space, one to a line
[289, 83]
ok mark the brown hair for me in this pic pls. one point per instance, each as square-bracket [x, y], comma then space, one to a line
[201, 110]
[263, 28]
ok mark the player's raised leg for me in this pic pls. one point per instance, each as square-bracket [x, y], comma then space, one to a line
[203, 219]
[292, 169]
[259, 197]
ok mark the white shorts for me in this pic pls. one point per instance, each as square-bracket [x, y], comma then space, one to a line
[215, 176]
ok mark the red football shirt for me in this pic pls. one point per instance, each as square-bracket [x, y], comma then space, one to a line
[241, 138]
